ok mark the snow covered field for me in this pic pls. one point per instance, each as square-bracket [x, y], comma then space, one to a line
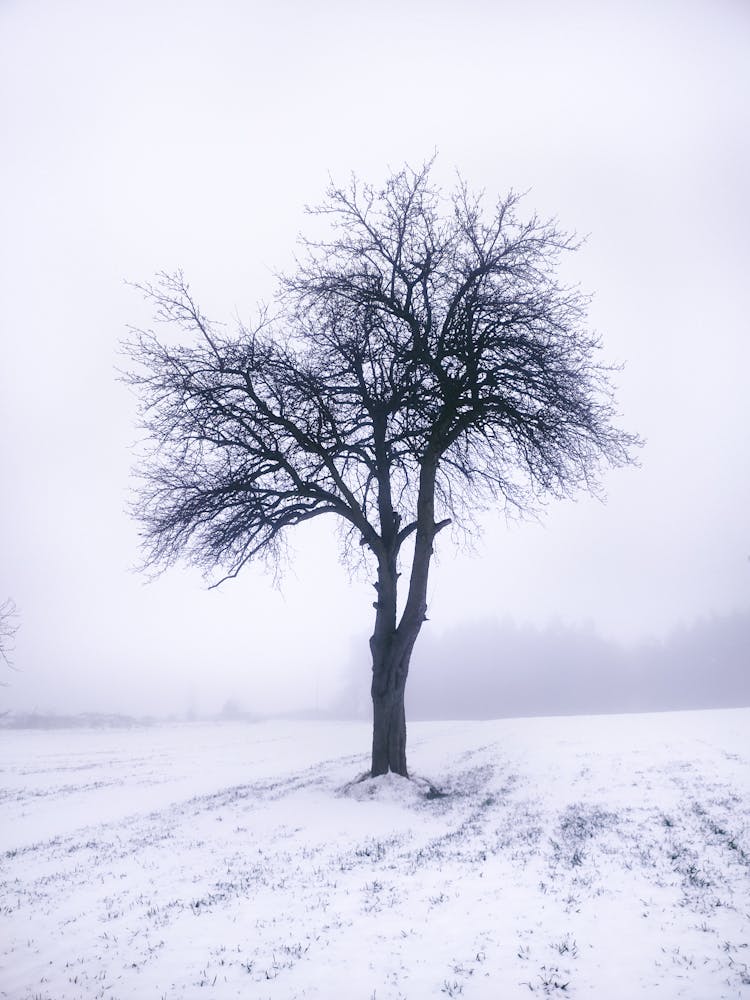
[604, 857]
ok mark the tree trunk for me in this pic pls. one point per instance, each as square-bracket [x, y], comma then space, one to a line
[392, 645]
[390, 668]
[388, 715]
[389, 734]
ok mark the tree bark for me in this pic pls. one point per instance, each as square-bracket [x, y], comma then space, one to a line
[388, 731]
[389, 672]
[392, 645]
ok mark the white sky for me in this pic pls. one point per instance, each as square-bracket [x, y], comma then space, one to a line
[150, 135]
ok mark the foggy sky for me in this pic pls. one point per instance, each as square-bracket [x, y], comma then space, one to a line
[145, 136]
[486, 670]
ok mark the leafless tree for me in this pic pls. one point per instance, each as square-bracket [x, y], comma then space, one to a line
[8, 629]
[424, 363]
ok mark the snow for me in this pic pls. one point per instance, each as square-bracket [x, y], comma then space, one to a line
[581, 857]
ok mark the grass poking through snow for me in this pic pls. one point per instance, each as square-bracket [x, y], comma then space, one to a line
[558, 857]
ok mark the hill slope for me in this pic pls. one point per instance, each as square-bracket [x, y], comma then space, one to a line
[572, 857]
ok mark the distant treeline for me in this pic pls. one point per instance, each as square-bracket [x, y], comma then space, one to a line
[492, 670]
[85, 720]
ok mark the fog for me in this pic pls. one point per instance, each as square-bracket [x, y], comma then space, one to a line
[147, 136]
[484, 670]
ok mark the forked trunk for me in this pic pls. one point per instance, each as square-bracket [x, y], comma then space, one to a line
[391, 655]
[391, 644]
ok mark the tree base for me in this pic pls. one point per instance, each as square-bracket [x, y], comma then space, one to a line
[367, 786]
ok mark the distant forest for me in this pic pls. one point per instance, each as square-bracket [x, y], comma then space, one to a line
[490, 670]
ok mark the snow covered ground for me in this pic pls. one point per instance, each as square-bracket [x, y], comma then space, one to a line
[601, 857]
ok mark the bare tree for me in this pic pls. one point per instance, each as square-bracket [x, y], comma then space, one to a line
[425, 362]
[8, 629]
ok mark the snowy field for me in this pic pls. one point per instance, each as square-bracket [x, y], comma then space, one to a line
[604, 857]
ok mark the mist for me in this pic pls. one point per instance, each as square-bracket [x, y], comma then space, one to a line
[160, 136]
[489, 669]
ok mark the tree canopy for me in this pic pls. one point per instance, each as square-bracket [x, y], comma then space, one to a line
[423, 361]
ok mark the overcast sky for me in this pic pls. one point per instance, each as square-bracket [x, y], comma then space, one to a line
[140, 136]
